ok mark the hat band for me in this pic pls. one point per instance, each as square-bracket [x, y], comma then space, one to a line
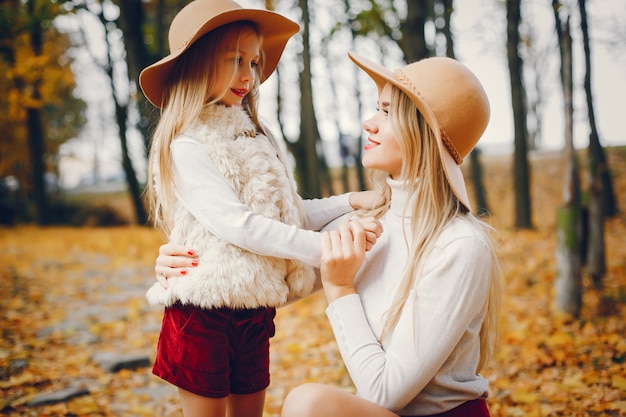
[406, 82]
[451, 148]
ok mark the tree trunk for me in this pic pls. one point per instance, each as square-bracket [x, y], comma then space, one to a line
[132, 22]
[521, 170]
[595, 255]
[35, 128]
[306, 156]
[121, 117]
[358, 156]
[413, 41]
[597, 159]
[448, 8]
[481, 208]
[568, 283]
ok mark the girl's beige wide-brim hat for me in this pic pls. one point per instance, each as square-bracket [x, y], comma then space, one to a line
[452, 101]
[202, 16]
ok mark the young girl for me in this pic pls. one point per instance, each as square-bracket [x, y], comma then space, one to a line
[220, 184]
[415, 319]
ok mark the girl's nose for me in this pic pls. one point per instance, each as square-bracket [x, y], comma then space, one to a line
[247, 73]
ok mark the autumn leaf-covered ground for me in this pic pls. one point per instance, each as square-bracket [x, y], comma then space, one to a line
[69, 294]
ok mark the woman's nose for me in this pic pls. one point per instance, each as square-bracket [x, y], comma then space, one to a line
[369, 125]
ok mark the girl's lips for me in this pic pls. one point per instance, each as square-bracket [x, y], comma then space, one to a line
[239, 92]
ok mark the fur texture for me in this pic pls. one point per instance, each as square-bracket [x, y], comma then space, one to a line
[228, 276]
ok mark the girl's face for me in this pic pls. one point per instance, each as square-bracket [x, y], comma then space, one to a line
[382, 151]
[242, 56]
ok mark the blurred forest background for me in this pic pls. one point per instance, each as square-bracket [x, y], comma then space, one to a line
[76, 131]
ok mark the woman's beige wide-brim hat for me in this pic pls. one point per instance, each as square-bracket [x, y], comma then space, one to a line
[202, 16]
[452, 101]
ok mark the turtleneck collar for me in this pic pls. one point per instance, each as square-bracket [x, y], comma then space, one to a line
[399, 197]
[227, 121]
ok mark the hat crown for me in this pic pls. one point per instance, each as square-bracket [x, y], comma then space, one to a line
[454, 96]
[191, 18]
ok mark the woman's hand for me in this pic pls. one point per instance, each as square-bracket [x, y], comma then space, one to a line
[373, 229]
[343, 252]
[173, 261]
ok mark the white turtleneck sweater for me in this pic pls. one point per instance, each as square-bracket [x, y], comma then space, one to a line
[428, 364]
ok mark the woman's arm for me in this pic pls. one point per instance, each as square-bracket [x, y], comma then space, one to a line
[443, 310]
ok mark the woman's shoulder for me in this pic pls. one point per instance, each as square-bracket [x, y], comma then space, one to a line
[464, 233]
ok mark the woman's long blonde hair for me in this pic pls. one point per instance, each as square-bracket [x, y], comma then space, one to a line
[192, 77]
[433, 206]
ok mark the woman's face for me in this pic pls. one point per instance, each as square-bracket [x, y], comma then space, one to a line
[243, 59]
[382, 151]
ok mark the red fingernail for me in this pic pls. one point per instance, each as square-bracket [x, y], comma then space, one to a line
[190, 253]
[183, 272]
[194, 262]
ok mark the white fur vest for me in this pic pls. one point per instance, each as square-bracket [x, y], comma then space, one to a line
[227, 275]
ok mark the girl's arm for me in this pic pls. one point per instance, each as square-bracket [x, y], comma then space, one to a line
[204, 192]
[321, 211]
[209, 197]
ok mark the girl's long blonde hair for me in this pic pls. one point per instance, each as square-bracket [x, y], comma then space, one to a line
[192, 77]
[433, 206]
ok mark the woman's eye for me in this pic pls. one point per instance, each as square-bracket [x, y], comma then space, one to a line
[255, 64]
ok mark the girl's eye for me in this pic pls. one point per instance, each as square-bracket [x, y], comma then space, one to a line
[255, 64]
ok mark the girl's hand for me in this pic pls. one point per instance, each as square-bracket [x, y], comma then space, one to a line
[343, 252]
[174, 261]
[373, 229]
[363, 199]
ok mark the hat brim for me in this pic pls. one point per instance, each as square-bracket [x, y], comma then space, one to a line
[275, 29]
[381, 76]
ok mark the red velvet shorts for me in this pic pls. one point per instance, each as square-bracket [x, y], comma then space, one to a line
[215, 352]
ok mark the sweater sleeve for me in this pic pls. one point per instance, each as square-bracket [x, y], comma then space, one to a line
[321, 211]
[444, 303]
[210, 198]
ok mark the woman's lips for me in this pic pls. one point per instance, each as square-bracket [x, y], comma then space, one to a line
[371, 144]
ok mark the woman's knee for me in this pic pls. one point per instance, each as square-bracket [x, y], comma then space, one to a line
[305, 401]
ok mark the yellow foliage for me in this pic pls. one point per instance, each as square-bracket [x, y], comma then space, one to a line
[619, 381]
[32, 80]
